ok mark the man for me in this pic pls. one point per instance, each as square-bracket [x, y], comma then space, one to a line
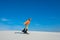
[26, 25]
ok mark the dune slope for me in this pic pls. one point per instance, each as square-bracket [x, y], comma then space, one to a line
[33, 35]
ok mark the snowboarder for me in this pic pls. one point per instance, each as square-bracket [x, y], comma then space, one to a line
[26, 25]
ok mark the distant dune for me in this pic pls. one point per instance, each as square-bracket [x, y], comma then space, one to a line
[33, 35]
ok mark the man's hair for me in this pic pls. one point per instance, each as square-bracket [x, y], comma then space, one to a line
[29, 19]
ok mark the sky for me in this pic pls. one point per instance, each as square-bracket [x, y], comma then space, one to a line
[45, 14]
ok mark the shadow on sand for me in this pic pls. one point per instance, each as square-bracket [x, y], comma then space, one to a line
[20, 33]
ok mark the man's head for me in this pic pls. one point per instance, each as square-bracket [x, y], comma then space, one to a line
[29, 19]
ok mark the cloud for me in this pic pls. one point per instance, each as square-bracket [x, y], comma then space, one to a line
[4, 19]
[53, 18]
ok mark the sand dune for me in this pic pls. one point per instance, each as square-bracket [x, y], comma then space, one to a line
[33, 35]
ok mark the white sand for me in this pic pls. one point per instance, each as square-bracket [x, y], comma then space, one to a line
[16, 35]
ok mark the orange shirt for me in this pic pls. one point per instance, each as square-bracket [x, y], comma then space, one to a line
[27, 22]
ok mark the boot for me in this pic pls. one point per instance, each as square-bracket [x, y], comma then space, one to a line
[26, 31]
[23, 30]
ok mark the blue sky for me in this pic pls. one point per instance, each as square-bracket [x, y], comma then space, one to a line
[45, 14]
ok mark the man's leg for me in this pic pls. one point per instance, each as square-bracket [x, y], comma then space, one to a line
[26, 28]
